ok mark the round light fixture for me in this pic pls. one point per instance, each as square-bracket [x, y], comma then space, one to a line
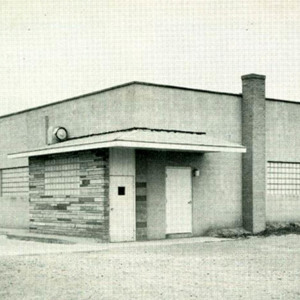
[61, 133]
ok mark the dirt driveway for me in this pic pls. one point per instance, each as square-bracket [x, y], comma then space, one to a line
[257, 268]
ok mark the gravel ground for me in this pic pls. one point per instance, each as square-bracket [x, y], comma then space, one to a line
[256, 268]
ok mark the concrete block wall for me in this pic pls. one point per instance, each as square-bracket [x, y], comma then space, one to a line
[13, 138]
[282, 145]
[282, 131]
[282, 208]
[14, 212]
[218, 114]
[80, 116]
[128, 106]
[86, 115]
[77, 207]
[217, 192]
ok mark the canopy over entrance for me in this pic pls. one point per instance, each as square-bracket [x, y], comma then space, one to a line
[140, 138]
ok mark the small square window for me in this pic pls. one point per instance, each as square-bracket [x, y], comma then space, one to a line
[121, 190]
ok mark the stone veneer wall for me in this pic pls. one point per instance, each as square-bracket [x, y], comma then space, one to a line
[69, 194]
[141, 210]
[141, 195]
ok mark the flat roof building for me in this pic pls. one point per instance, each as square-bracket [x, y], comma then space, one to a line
[147, 161]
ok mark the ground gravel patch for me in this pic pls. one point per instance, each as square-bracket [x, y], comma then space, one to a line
[255, 268]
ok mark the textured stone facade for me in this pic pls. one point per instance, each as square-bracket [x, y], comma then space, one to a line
[69, 194]
[141, 196]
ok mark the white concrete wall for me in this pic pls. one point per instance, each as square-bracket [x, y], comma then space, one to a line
[283, 208]
[282, 131]
[14, 212]
[121, 162]
[132, 106]
[216, 192]
[283, 145]
[217, 115]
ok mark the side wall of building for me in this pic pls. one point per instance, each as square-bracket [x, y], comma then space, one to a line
[283, 161]
[14, 208]
[13, 138]
[216, 114]
[14, 212]
[216, 192]
[135, 105]
[20, 132]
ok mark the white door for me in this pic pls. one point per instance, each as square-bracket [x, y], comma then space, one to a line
[179, 200]
[122, 209]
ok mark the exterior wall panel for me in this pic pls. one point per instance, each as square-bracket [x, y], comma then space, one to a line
[130, 106]
[167, 108]
[282, 145]
[14, 200]
[63, 209]
[140, 105]
[14, 212]
[122, 162]
[87, 115]
[216, 192]
[283, 208]
[282, 131]
[13, 138]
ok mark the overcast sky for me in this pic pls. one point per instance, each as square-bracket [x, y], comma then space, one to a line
[52, 50]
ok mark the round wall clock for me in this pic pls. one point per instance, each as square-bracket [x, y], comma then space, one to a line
[61, 133]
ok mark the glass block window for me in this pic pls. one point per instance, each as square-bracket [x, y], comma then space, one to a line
[283, 178]
[62, 176]
[15, 182]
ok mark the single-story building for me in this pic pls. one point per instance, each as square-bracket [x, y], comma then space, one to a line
[147, 161]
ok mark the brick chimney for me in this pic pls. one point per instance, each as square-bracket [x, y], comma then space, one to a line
[254, 161]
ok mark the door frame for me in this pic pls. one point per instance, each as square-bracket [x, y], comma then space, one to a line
[134, 207]
[192, 197]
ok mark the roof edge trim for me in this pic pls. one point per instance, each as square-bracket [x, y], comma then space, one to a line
[137, 128]
[131, 83]
[67, 100]
[113, 88]
[131, 144]
[284, 101]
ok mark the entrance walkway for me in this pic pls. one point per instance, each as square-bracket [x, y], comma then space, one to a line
[22, 242]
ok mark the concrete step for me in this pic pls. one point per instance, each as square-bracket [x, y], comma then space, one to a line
[179, 235]
[25, 235]
[38, 239]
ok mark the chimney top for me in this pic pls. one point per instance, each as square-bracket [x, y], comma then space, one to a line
[253, 76]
